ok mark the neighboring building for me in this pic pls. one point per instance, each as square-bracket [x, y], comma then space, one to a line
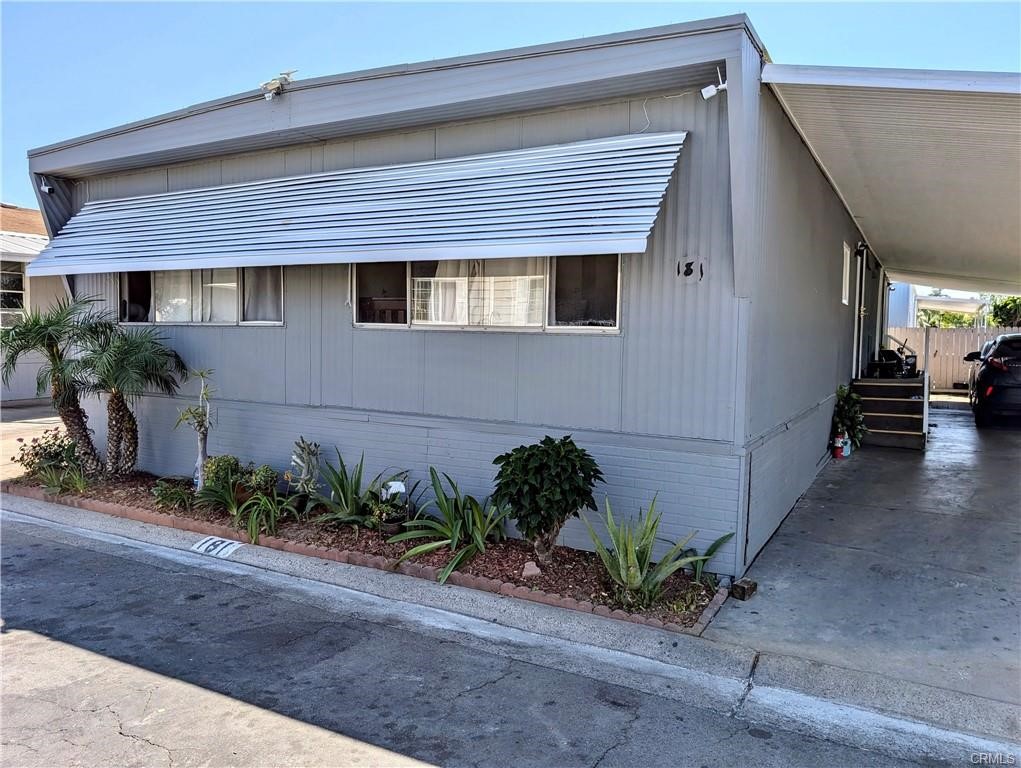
[902, 306]
[22, 236]
[433, 263]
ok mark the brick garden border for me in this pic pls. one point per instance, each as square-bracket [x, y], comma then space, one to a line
[427, 572]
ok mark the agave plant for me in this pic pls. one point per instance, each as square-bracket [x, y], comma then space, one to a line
[628, 561]
[464, 524]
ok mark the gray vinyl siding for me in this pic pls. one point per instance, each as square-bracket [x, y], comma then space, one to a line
[649, 379]
[697, 489]
[799, 332]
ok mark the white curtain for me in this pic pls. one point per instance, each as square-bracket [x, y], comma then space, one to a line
[440, 291]
[219, 295]
[173, 296]
[262, 294]
[507, 292]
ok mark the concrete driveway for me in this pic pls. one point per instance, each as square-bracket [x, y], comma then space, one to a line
[901, 563]
[23, 422]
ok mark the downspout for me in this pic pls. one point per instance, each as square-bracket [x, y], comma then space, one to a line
[856, 341]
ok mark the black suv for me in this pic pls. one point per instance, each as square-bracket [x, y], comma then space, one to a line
[995, 385]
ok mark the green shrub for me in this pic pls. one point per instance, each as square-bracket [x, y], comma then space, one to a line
[706, 579]
[545, 484]
[58, 480]
[464, 524]
[224, 493]
[52, 448]
[349, 502]
[217, 468]
[263, 512]
[170, 494]
[848, 418]
[629, 560]
[262, 479]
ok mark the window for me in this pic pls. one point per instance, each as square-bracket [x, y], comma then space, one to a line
[215, 296]
[12, 292]
[845, 290]
[506, 292]
[263, 298]
[556, 293]
[583, 291]
[382, 292]
[439, 292]
[136, 297]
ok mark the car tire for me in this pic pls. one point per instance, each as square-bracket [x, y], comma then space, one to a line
[981, 418]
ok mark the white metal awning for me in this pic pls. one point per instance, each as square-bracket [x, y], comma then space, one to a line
[928, 163]
[588, 197]
[20, 246]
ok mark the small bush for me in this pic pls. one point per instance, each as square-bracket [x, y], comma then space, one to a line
[545, 484]
[217, 469]
[51, 449]
[223, 494]
[58, 480]
[262, 479]
[263, 512]
[172, 495]
[848, 418]
[464, 524]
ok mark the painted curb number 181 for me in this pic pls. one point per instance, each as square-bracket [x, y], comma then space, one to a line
[215, 546]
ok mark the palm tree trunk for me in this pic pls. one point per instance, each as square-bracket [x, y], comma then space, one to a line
[129, 446]
[114, 432]
[77, 425]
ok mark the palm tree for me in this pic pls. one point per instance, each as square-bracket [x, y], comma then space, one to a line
[55, 334]
[124, 364]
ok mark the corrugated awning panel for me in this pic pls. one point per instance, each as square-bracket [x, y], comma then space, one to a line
[597, 196]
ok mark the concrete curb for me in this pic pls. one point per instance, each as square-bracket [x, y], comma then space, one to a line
[814, 699]
[354, 557]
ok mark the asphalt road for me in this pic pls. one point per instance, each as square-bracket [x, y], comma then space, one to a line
[114, 656]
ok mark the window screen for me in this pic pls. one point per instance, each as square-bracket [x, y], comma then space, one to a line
[506, 292]
[583, 291]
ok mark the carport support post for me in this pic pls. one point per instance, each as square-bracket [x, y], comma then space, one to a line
[925, 383]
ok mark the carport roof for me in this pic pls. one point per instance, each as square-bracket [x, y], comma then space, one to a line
[927, 162]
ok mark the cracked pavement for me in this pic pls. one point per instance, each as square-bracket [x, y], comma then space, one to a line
[139, 661]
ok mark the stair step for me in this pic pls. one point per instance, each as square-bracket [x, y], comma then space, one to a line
[897, 422]
[894, 438]
[903, 388]
[905, 405]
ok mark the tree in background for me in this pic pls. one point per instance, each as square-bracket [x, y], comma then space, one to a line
[1005, 312]
[938, 318]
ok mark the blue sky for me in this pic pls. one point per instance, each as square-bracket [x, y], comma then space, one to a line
[69, 69]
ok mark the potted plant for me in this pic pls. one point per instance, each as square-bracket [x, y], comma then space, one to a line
[848, 421]
[389, 508]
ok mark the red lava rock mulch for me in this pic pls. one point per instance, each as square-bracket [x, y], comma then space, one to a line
[574, 573]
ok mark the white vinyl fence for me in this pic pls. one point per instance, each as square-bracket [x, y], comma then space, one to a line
[947, 348]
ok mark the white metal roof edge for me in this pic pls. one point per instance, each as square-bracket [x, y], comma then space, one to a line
[904, 79]
[578, 246]
[702, 26]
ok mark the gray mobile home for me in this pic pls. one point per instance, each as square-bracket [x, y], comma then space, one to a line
[433, 263]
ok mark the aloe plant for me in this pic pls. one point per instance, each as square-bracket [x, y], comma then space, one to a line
[263, 512]
[464, 524]
[628, 561]
[707, 579]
